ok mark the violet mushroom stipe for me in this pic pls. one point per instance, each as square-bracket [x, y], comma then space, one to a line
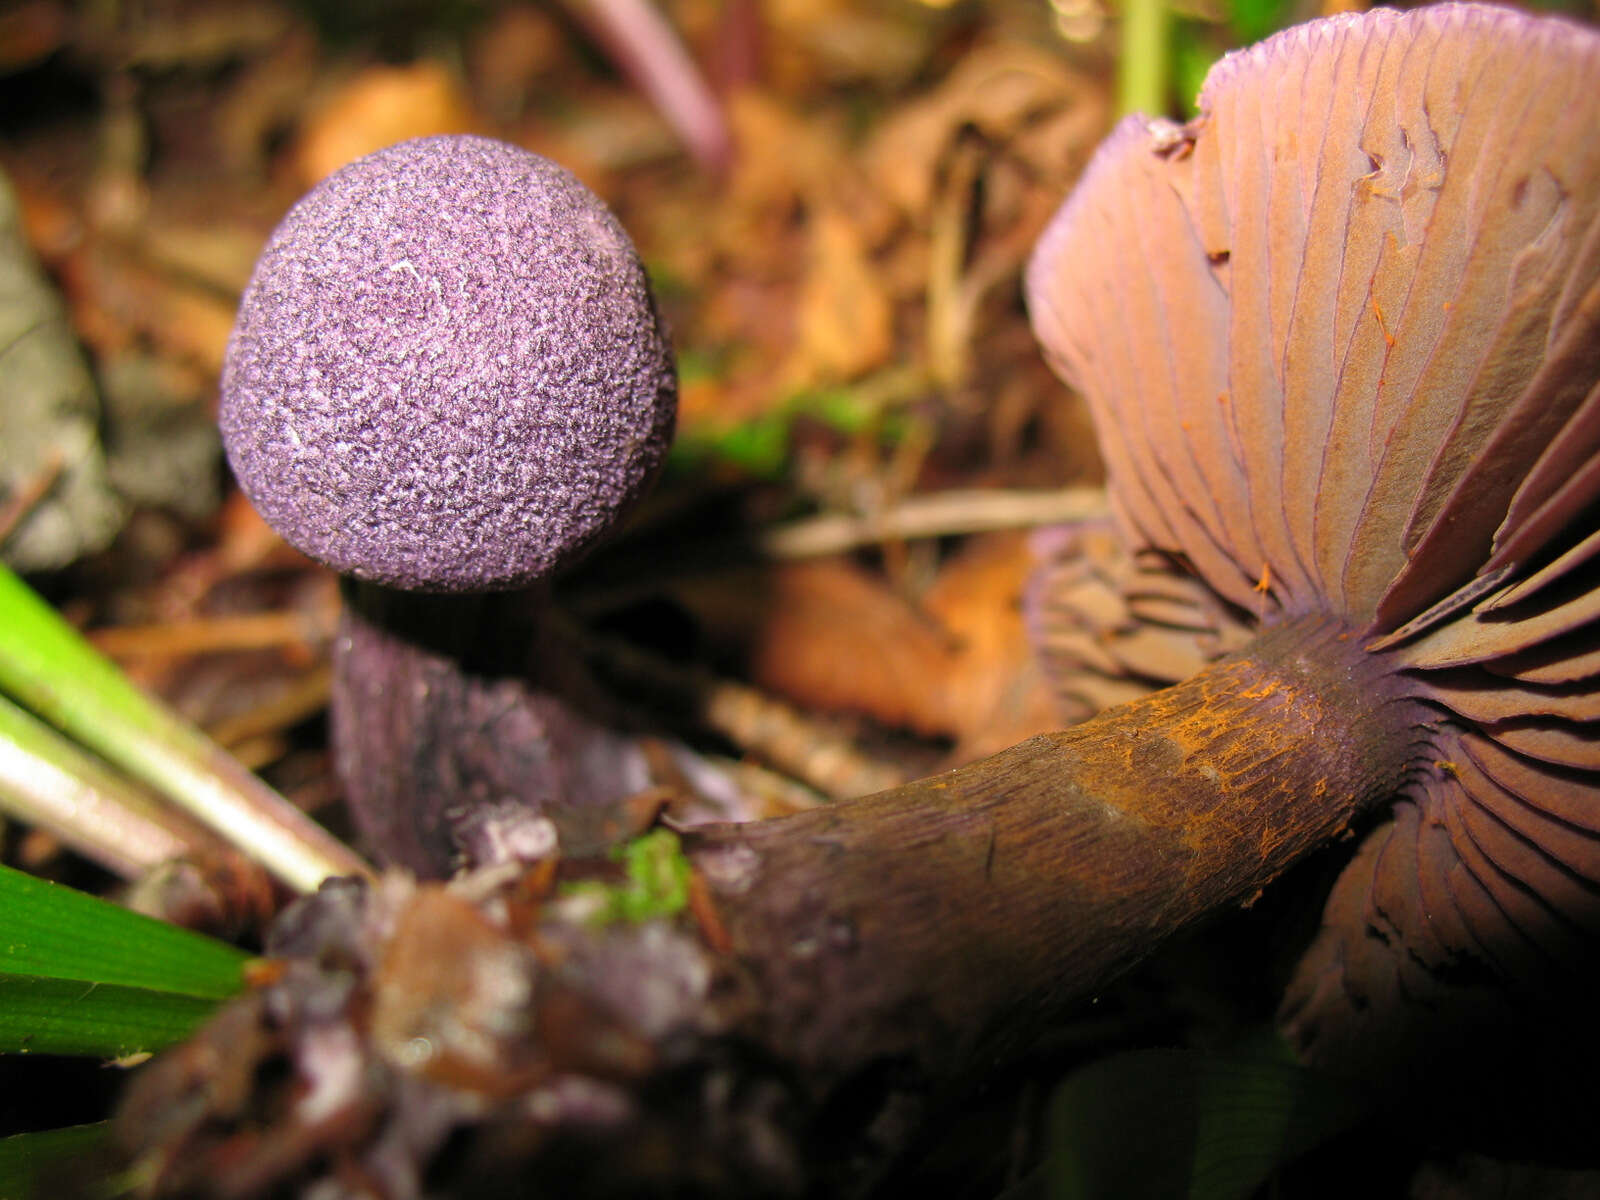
[1341, 339]
[448, 376]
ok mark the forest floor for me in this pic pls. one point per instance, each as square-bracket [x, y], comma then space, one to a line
[835, 560]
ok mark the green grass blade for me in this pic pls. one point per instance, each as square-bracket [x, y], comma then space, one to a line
[52, 932]
[104, 1020]
[1160, 1124]
[79, 975]
[49, 667]
[28, 1161]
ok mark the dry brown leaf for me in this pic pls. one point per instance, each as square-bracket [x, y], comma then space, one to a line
[117, 303]
[194, 325]
[31, 31]
[833, 637]
[50, 222]
[1004, 91]
[220, 256]
[846, 320]
[791, 262]
[515, 45]
[781, 160]
[837, 42]
[267, 96]
[995, 694]
[378, 107]
[790, 161]
[757, 317]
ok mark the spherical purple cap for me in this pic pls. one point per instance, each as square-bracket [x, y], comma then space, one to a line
[447, 373]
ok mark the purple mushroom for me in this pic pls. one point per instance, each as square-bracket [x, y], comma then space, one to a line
[447, 381]
[1341, 339]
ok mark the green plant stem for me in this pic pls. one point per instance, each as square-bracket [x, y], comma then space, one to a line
[48, 666]
[1142, 74]
[51, 784]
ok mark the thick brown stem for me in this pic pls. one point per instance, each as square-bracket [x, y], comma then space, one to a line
[941, 919]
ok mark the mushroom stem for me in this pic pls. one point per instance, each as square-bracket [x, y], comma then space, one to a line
[865, 957]
[928, 919]
[446, 704]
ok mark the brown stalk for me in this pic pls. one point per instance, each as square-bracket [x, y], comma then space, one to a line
[934, 918]
[874, 953]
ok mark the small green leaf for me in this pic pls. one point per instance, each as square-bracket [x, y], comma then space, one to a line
[1172, 1123]
[28, 1160]
[758, 447]
[1193, 54]
[1252, 20]
[658, 876]
[657, 881]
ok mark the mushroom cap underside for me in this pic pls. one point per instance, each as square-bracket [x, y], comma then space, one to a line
[1341, 339]
[447, 373]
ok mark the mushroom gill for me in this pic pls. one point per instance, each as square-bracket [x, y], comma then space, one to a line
[1340, 335]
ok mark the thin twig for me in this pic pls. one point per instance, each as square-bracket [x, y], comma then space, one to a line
[759, 724]
[210, 635]
[937, 514]
[306, 697]
[27, 497]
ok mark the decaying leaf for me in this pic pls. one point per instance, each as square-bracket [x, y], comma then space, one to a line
[376, 108]
[834, 637]
[996, 693]
[846, 320]
[49, 449]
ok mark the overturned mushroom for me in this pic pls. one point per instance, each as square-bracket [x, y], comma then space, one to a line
[1341, 337]
[447, 381]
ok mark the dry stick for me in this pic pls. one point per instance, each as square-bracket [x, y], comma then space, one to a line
[27, 497]
[946, 919]
[210, 635]
[648, 49]
[306, 696]
[753, 721]
[939, 514]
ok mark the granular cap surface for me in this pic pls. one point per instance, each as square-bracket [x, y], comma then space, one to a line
[447, 372]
